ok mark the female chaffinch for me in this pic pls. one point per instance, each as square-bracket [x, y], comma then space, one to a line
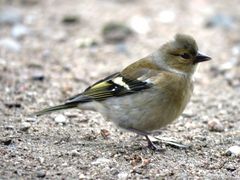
[146, 95]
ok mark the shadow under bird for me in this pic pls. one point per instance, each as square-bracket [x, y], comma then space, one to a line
[148, 94]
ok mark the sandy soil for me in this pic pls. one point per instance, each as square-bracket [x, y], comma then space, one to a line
[56, 59]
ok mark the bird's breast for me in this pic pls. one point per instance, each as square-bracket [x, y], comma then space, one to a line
[150, 109]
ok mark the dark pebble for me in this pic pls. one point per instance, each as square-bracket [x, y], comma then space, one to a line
[41, 174]
[38, 77]
[114, 32]
[13, 105]
[70, 19]
[6, 141]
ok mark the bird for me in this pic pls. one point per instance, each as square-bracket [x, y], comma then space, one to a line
[146, 95]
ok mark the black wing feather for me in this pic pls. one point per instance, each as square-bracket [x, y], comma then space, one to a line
[107, 88]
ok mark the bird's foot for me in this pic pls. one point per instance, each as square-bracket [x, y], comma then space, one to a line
[172, 143]
[153, 146]
[161, 141]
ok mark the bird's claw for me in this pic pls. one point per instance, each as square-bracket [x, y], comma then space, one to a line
[153, 146]
[173, 143]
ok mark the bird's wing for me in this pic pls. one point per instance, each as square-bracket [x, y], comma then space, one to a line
[116, 85]
[133, 79]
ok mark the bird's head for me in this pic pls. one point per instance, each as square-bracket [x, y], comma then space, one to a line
[182, 54]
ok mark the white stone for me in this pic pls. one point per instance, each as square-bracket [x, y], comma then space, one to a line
[139, 24]
[230, 64]
[60, 119]
[234, 150]
[25, 126]
[122, 175]
[167, 16]
[75, 152]
[10, 44]
[30, 119]
[101, 161]
[19, 31]
[236, 50]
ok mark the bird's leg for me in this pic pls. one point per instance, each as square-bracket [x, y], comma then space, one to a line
[166, 141]
[151, 145]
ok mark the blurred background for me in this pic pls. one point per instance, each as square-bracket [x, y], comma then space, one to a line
[73, 42]
[52, 49]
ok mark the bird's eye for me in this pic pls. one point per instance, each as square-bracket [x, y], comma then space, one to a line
[185, 56]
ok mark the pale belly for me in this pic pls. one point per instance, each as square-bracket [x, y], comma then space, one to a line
[145, 112]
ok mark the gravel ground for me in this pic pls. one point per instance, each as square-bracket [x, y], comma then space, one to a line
[50, 50]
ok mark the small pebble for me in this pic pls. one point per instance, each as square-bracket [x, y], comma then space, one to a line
[9, 127]
[236, 50]
[6, 141]
[220, 20]
[167, 16]
[114, 32]
[38, 76]
[10, 44]
[19, 31]
[233, 151]
[60, 119]
[65, 164]
[230, 64]
[30, 119]
[60, 36]
[13, 105]
[41, 160]
[101, 161]
[46, 54]
[86, 42]
[41, 174]
[230, 167]
[122, 176]
[188, 113]
[25, 126]
[82, 176]
[70, 19]
[215, 125]
[75, 152]
[140, 24]
[105, 133]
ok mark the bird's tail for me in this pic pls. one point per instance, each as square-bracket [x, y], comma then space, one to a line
[55, 108]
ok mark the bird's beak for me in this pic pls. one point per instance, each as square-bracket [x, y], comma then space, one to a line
[200, 58]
